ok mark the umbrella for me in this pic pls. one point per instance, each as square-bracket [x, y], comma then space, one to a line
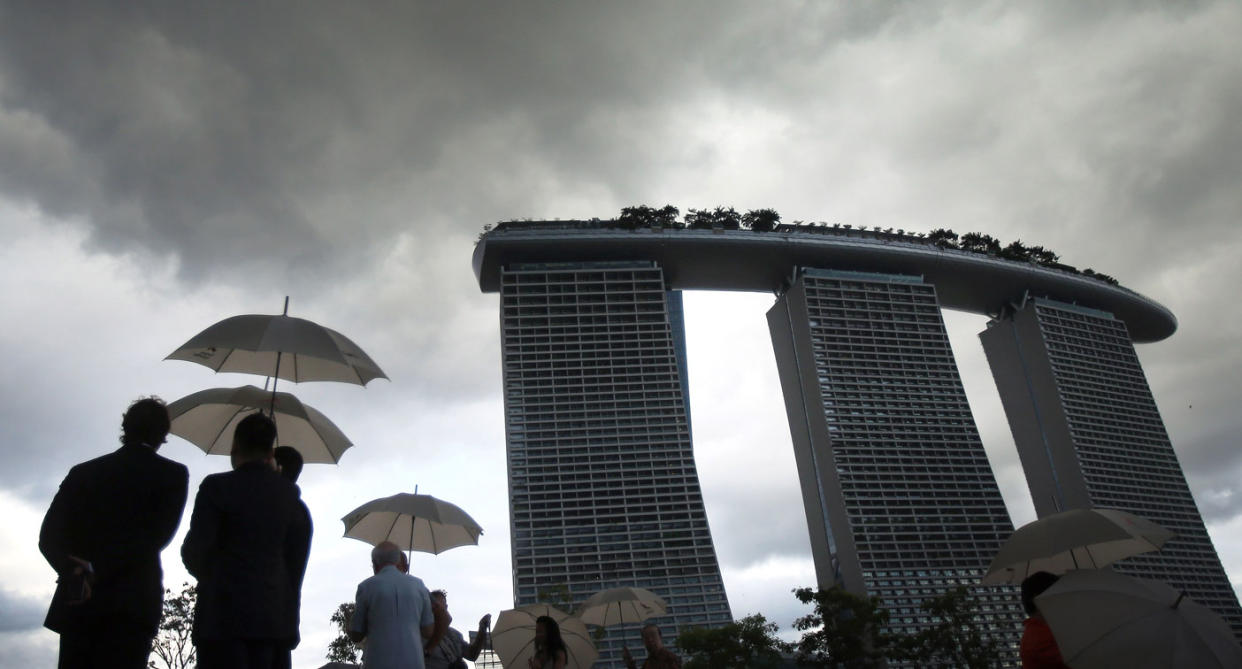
[282, 346]
[513, 637]
[616, 606]
[1076, 539]
[1101, 618]
[207, 419]
[413, 522]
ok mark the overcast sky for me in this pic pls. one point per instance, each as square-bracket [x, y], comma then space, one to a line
[162, 168]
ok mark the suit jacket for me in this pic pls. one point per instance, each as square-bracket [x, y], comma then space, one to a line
[118, 512]
[300, 543]
[246, 550]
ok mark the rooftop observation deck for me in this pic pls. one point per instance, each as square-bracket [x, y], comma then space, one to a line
[746, 260]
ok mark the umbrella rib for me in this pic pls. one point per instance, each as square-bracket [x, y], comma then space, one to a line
[223, 361]
[388, 536]
[220, 432]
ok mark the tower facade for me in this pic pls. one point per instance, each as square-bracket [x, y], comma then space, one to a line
[1089, 435]
[900, 499]
[603, 487]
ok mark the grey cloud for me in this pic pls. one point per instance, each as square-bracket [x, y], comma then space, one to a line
[19, 613]
[226, 134]
[27, 650]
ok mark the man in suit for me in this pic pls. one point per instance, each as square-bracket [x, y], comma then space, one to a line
[289, 464]
[245, 544]
[103, 535]
[392, 611]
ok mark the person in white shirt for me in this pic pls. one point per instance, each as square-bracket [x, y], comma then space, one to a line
[392, 612]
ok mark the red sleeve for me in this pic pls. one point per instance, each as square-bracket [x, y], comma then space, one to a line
[1039, 649]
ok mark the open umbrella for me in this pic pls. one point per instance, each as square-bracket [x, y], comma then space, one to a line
[279, 346]
[1103, 619]
[617, 606]
[513, 637]
[1076, 539]
[413, 522]
[207, 419]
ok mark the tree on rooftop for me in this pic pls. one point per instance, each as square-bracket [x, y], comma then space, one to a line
[643, 216]
[743, 644]
[705, 219]
[761, 220]
[980, 243]
[1042, 255]
[1016, 251]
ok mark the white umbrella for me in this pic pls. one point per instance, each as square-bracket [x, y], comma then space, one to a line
[413, 522]
[513, 637]
[280, 346]
[1076, 539]
[617, 606]
[1102, 619]
[207, 419]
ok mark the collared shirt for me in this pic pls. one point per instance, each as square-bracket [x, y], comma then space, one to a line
[451, 649]
[391, 607]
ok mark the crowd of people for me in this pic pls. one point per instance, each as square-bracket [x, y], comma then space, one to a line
[247, 545]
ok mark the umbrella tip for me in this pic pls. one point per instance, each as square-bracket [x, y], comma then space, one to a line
[1180, 597]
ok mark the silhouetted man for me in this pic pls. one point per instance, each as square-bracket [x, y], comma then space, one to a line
[244, 547]
[289, 464]
[103, 535]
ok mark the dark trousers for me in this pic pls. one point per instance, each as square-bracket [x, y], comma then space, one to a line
[237, 653]
[104, 649]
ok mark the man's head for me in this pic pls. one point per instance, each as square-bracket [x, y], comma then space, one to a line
[1034, 586]
[253, 439]
[289, 461]
[145, 422]
[651, 637]
[386, 553]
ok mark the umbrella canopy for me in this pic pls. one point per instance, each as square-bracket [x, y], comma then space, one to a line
[1104, 619]
[617, 606]
[1076, 539]
[207, 419]
[413, 522]
[513, 637]
[289, 348]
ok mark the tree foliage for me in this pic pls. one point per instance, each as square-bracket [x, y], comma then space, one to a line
[845, 630]
[766, 220]
[643, 216]
[761, 220]
[725, 218]
[742, 644]
[342, 648]
[955, 638]
[173, 647]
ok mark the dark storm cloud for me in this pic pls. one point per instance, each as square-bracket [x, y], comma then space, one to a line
[227, 133]
[252, 131]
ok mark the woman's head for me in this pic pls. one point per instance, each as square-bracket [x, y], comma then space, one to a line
[548, 634]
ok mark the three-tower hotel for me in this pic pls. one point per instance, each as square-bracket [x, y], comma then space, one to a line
[899, 497]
